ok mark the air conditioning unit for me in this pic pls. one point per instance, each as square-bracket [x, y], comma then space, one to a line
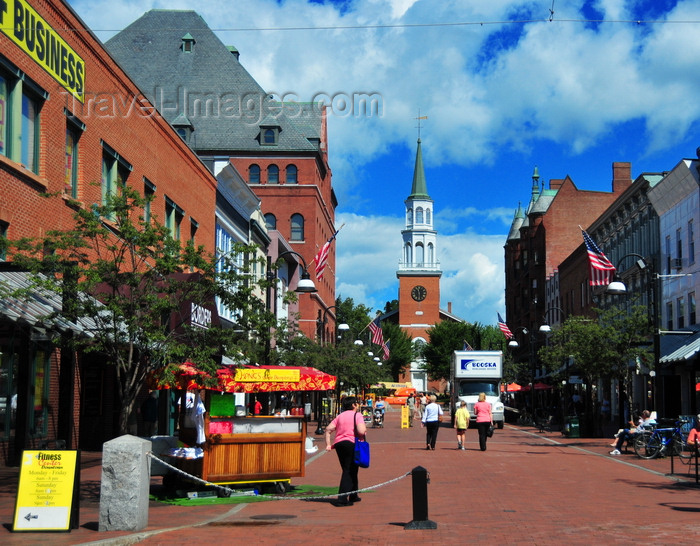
[676, 263]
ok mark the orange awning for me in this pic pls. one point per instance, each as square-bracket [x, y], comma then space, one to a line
[229, 379]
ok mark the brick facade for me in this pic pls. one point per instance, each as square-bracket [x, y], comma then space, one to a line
[115, 119]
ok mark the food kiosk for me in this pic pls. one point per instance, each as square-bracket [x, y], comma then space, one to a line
[238, 448]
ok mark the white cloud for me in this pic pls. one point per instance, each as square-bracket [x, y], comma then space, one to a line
[489, 91]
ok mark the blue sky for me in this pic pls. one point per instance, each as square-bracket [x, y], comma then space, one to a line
[504, 89]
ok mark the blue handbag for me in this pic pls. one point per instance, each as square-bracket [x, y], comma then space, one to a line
[361, 458]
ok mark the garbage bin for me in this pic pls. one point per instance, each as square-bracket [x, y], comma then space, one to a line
[573, 423]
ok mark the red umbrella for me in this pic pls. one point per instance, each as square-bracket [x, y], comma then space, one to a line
[539, 386]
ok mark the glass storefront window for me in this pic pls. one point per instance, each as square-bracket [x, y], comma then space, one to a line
[8, 393]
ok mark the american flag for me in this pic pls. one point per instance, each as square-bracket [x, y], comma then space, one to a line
[600, 269]
[321, 258]
[504, 327]
[385, 348]
[376, 329]
[466, 346]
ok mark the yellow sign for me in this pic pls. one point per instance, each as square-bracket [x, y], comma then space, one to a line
[254, 375]
[25, 27]
[47, 486]
[405, 417]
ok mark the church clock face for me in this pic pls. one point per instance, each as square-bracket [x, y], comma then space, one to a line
[418, 293]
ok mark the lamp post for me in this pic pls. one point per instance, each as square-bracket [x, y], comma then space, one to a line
[304, 286]
[513, 344]
[321, 322]
[618, 287]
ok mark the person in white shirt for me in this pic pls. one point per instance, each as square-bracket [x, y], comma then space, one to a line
[432, 415]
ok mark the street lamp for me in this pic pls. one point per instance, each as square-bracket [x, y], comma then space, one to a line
[321, 322]
[513, 344]
[545, 328]
[305, 284]
[618, 287]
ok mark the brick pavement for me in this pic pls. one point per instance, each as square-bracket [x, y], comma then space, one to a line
[527, 488]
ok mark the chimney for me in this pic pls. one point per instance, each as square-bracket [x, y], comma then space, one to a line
[556, 183]
[449, 307]
[622, 176]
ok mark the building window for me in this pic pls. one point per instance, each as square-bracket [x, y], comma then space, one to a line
[431, 253]
[409, 217]
[19, 133]
[691, 243]
[680, 313]
[173, 218]
[291, 177]
[679, 245]
[273, 174]
[115, 171]
[427, 216]
[74, 129]
[4, 118]
[30, 133]
[668, 254]
[194, 226]
[692, 320]
[269, 136]
[149, 194]
[270, 221]
[3, 236]
[254, 174]
[420, 255]
[408, 254]
[669, 315]
[419, 215]
[297, 222]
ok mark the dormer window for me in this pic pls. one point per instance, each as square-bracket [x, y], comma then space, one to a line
[269, 132]
[187, 43]
[183, 127]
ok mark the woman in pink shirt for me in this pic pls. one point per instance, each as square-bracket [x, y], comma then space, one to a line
[484, 419]
[347, 426]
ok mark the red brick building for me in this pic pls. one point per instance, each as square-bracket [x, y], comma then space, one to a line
[74, 125]
[540, 238]
[280, 149]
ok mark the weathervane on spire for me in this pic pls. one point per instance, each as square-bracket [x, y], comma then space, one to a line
[419, 118]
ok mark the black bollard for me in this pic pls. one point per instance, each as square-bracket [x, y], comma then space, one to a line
[419, 480]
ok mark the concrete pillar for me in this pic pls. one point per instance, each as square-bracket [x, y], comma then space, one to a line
[125, 484]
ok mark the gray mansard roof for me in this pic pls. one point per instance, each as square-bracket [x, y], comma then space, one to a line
[225, 105]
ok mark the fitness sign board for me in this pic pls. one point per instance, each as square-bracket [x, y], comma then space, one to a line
[48, 482]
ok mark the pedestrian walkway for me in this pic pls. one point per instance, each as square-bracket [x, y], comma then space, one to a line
[526, 488]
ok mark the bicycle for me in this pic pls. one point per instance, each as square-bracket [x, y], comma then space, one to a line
[655, 443]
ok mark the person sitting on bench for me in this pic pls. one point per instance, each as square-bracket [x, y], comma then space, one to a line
[628, 434]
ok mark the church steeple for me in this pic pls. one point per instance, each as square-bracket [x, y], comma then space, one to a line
[419, 190]
[419, 237]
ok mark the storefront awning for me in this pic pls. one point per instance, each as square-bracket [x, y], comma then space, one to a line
[39, 309]
[253, 379]
[679, 349]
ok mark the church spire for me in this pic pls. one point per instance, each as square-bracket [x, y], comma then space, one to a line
[419, 190]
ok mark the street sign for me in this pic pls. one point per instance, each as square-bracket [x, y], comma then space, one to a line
[48, 482]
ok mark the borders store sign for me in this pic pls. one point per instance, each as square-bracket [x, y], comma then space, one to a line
[25, 27]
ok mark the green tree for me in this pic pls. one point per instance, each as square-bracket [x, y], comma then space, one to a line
[599, 348]
[133, 281]
[401, 349]
[448, 336]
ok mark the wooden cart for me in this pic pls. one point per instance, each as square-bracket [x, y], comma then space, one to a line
[246, 450]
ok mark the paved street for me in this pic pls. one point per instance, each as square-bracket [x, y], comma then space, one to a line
[527, 488]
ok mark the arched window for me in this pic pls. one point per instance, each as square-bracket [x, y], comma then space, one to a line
[269, 136]
[297, 233]
[254, 174]
[273, 174]
[419, 215]
[409, 216]
[427, 216]
[291, 177]
[431, 253]
[408, 254]
[270, 221]
[420, 254]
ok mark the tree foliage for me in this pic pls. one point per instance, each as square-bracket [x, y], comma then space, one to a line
[137, 284]
[448, 336]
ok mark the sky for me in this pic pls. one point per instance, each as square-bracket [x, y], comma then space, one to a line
[506, 85]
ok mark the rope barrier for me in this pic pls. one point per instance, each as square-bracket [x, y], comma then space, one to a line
[228, 491]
